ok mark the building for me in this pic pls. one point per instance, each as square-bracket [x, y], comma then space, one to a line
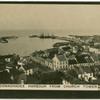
[86, 74]
[59, 62]
[62, 61]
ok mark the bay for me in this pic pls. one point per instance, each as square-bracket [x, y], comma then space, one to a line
[24, 45]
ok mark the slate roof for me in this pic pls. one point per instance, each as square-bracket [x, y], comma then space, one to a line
[61, 57]
[51, 50]
[5, 56]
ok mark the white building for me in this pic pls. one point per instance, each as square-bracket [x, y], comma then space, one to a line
[59, 62]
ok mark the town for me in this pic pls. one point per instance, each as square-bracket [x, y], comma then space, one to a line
[75, 61]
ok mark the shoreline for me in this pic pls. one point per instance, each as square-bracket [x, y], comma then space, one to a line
[5, 39]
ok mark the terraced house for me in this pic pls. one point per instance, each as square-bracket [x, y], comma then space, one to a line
[62, 59]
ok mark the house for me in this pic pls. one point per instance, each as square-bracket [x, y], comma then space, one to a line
[72, 60]
[94, 50]
[84, 57]
[59, 62]
[20, 63]
[86, 48]
[64, 82]
[51, 52]
[48, 62]
[75, 49]
[29, 71]
[67, 48]
[6, 58]
[86, 74]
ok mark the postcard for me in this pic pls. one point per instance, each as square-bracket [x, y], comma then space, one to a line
[49, 47]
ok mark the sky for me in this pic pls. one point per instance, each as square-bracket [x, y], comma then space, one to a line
[57, 17]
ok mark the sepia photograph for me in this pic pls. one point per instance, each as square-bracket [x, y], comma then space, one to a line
[50, 46]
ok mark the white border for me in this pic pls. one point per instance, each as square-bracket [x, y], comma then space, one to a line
[49, 87]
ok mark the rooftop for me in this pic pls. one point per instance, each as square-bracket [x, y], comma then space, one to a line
[61, 57]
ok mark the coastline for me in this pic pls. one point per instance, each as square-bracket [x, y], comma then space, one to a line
[5, 39]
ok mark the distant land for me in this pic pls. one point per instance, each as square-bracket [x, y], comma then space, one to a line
[56, 32]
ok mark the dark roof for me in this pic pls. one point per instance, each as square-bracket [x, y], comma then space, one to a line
[51, 50]
[66, 48]
[61, 57]
[6, 56]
